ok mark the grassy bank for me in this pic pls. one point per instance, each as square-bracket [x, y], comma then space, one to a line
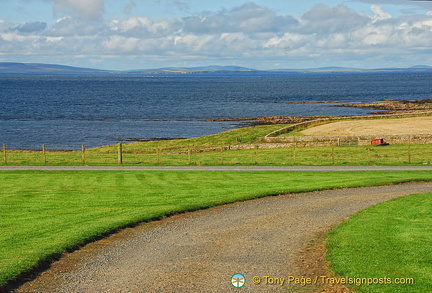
[390, 242]
[231, 137]
[47, 213]
[220, 149]
[164, 152]
[137, 155]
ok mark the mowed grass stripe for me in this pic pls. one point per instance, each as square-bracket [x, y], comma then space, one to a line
[389, 241]
[47, 213]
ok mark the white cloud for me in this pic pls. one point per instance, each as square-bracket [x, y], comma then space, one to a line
[373, 36]
[248, 18]
[120, 43]
[289, 41]
[54, 39]
[69, 26]
[131, 23]
[89, 9]
[13, 37]
[141, 26]
[379, 13]
[322, 19]
[421, 3]
[31, 27]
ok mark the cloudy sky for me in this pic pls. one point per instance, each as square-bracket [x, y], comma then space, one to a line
[262, 34]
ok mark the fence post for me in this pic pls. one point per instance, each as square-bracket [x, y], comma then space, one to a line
[294, 152]
[409, 150]
[120, 153]
[333, 155]
[4, 154]
[189, 156]
[83, 153]
[44, 153]
[222, 155]
[157, 156]
[368, 155]
[255, 154]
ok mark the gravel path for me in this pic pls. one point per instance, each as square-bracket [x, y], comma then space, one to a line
[200, 251]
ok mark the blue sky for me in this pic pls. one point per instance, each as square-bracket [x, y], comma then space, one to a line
[139, 34]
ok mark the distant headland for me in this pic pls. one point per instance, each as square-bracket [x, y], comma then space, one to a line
[53, 69]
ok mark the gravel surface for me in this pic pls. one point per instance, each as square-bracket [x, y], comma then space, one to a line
[200, 251]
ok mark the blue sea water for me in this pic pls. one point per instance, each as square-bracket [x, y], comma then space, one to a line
[64, 112]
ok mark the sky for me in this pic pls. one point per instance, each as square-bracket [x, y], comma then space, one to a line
[261, 34]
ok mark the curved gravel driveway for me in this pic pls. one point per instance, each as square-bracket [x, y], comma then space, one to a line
[200, 251]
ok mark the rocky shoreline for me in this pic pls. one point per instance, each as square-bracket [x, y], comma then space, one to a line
[395, 107]
[386, 107]
[271, 119]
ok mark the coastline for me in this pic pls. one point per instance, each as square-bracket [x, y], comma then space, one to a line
[387, 107]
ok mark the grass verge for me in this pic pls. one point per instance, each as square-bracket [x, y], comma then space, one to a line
[220, 149]
[390, 243]
[43, 214]
[136, 155]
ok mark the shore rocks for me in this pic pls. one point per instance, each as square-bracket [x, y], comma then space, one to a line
[387, 107]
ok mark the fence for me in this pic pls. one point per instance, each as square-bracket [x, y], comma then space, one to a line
[246, 154]
[274, 150]
[351, 140]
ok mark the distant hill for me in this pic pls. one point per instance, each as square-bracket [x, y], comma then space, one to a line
[38, 68]
[52, 69]
[321, 69]
[349, 69]
[421, 67]
[211, 68]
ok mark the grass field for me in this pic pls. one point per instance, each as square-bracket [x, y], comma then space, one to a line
[219, 149]
[137, 155]
[163, 152]
[390, 242]
[43, 214]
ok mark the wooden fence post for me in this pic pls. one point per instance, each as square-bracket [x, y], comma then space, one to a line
[4, 154]
[409, 150]
[189, 156]
[333, 155]
[222, 155]
[83, 153]
[120, 153]
[369, 156]
[44, 153]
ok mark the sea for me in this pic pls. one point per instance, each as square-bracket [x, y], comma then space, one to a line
[63, 111]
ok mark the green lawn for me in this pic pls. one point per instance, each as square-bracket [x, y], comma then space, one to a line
[47, 213]
[389, 241]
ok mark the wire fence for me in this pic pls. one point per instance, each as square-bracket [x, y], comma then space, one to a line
[250, 154]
